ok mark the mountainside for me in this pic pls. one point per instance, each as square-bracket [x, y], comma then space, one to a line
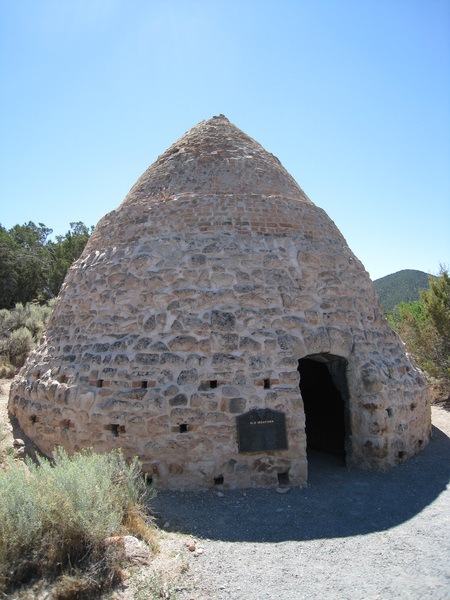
[402, 286]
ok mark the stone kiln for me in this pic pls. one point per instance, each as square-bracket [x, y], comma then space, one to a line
[208, 314]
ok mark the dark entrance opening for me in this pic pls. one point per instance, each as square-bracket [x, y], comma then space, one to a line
[323, 385]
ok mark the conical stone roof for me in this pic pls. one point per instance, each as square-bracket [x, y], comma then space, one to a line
[214, 162]
[190, 309]
[215, 157]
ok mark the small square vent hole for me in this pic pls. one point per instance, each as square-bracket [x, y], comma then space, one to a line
[283, 478]
[115, 429]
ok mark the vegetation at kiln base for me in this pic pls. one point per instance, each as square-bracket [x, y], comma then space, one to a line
[154, 587]
[424, 326]
[56, 518]
[403, 286]
[32, 266]
[6, 449]
[21, 330]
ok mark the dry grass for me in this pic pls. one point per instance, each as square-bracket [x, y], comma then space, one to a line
[7, 370]
[440, 393]
[138, 524]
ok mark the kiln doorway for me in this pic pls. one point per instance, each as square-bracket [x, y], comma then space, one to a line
[323, 385]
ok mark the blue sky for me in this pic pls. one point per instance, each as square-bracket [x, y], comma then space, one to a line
[352, 96]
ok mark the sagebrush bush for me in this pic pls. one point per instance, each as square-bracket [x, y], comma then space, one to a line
[4, 322]
[58, 515]
[20, 344]
[21, 329]
[36, 317]
[17, 317]
[6, 450]
[7, 370]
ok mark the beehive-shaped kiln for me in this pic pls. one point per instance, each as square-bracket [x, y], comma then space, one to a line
[207, 315]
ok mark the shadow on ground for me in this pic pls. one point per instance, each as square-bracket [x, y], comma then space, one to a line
[31, 450]
[338, 502]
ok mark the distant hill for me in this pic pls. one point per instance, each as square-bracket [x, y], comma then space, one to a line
[399, 287]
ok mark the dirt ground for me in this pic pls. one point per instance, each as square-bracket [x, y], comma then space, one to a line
[6, 434]
[349, 534]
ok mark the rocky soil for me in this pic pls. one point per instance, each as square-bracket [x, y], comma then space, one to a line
[349, 534]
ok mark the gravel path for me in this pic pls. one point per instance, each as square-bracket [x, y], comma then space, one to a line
[349, 534]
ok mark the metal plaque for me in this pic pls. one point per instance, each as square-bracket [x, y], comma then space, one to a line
[261, 429]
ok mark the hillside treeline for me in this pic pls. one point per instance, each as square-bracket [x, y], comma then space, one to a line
[424, 326]
[32, 266]
[403, 286]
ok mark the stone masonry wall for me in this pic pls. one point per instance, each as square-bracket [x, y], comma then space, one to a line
[156, 347]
